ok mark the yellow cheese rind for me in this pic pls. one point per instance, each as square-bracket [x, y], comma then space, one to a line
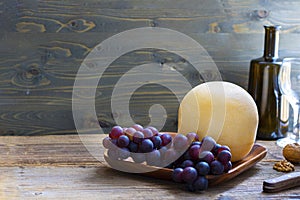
[225, 111]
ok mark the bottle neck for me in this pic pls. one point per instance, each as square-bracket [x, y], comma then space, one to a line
[271, 42]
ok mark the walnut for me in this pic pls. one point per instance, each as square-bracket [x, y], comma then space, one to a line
[284, 166]
[291, 152]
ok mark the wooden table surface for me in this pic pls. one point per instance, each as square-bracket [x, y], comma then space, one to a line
[60, 167]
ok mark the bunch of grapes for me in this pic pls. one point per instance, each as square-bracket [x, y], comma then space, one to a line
[141, 144]
[191, 159]
[199, 160]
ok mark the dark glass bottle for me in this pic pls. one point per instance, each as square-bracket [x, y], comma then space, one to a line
[273, 108]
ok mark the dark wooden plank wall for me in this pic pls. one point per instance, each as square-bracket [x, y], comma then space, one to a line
[43, 43]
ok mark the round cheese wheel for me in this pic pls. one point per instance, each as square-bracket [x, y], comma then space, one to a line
[222, 110]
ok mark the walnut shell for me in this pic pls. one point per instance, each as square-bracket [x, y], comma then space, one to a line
[291, 152]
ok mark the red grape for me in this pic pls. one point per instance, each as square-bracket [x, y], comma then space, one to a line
[166, 139]
[116, 132]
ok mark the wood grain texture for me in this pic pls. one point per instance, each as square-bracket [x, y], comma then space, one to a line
[51, 167]
[43, 43]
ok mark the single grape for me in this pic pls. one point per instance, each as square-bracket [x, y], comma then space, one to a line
[216, 149]
[207, 143]
[124, 153]
[138, 127]
[153, 158]
[129, 133]
[192, 137]
[203, 168]
[133, 147]
[223, 147]
[116, 132]
[166, 139]
[106, 142]
[194, 152]
[154, 130]
[138, 157]
[227, 166]
[189, 174]
[187, 163]
[147, 133]
[206, 156]
[224, 156]
[156, 141]
[201, 183]
[138, 137]
[180, 142]
[216, 167]
[177, 175]
[146, 146]
[123, 141]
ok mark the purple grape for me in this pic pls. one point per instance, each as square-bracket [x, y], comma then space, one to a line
[153, 129]
[138, 157]
[123, 141]
[133, 147]
[216, 167]
[192, 137]
[138, 127]
[224, 156]
[106, 142]
[153, 158]
[227, 166]
[207, 144]
[189, 174]
[166, 139]
[116, 132]
[187, 163]
[138, 137]
[156, 141]
[201, 183]
[203, 168]
[147, 133]
[177, 175]
[206, 156]
[215, 149]
[194, 152]
[124, 153]
[146, 146]
[180, 142]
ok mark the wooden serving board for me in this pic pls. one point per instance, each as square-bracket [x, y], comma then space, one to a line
[256, 154]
